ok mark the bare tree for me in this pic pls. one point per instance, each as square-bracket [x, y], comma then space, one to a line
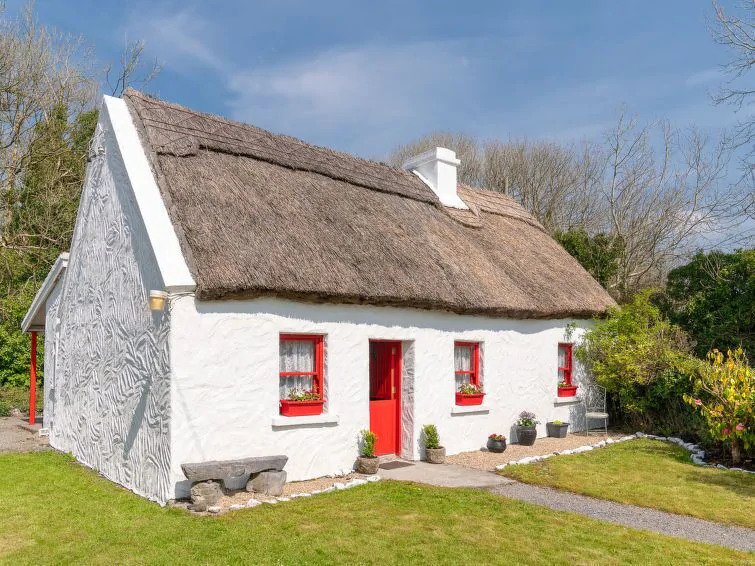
[132, 70]
[38, 77]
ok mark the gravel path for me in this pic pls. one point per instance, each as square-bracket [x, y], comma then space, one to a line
[484, 460]
[739, 538]
[14, 438]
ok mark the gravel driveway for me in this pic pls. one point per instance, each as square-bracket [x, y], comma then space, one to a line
[14, 438]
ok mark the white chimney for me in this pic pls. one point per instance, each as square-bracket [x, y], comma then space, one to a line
[437, 169]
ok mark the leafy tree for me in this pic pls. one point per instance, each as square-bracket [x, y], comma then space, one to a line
[598, 254]
[713, 299]
[725, 395]
[644, 363]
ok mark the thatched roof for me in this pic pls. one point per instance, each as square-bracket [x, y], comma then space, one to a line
[263, 214]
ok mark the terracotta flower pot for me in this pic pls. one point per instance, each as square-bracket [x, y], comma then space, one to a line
[367, 465]
[436, 455]
[496, 446]
[526, 435]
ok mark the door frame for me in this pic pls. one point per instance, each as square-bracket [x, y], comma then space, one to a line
[399, 386]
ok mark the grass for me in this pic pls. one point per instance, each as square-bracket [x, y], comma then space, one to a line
[54, 510]
[649, 473]
[17, 396]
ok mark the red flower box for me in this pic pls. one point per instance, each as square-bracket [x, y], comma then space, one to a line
[300, 408]
[567, 391]
[469, 398]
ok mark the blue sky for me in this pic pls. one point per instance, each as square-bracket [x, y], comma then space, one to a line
[366, 76]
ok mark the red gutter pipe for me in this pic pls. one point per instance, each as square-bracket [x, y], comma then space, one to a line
[33, 380]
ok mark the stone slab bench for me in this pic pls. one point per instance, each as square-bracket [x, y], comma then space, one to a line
[218, 470]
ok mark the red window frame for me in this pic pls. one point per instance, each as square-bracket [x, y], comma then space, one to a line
[474, 373]
[317, 374]
[567, 369]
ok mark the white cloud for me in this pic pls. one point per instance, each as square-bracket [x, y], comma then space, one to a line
[179, 40]
[361, 92]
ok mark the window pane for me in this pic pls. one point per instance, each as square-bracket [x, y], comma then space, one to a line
[463, 358]
[560, 375]
[297, 355]
[461, 378]
[288, 384]
[562, 357]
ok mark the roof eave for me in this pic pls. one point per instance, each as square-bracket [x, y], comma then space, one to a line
[40, 299]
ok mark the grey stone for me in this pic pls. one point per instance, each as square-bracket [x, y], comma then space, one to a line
[268, 482]
[216, 470]
[205, 494]
[214, 509]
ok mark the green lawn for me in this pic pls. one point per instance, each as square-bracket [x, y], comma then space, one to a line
[649, 473]
[54, 510]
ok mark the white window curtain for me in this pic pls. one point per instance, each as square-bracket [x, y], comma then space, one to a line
[296, 355]
[561, 356]
[462, 362]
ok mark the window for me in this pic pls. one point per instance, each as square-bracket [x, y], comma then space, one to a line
[301, 364]
[467, 363]
[564, 364]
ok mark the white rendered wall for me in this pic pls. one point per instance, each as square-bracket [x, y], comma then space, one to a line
[50, 336]
[111, 374]
[224, 387]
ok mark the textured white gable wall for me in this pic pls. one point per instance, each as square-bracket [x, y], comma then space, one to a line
[111, 374]
[224, 386]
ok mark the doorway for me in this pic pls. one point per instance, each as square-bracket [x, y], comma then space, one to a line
[385, 395]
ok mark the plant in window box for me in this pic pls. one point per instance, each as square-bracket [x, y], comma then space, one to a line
[557, 429]
[301, 402]
[566, 389]
[526, 433]
[496, 443]
[435, 453]
[469, 394]
[367, 463]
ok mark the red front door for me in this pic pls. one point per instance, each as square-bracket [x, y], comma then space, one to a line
[385, 396]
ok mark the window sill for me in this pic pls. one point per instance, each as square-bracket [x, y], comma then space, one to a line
[287, 422]
[567, 400]
[469, 409]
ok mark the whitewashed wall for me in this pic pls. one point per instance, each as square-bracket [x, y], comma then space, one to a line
[51, 325]
[224, 357]
[111, 372]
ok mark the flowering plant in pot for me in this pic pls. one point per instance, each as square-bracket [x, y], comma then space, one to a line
[496, 443]
[367, 463]
[469, 394]
[436, 454]
[566, 389]
[526, 432]
[301, 402]
[556, 429]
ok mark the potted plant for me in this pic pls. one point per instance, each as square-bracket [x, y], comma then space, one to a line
[301, 402]
[526, 432]
[436, 454]
[557, 429]
[367, 463]
[496, 443]
[469, 394]
[566, 389]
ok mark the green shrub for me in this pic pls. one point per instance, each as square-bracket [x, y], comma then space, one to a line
[17, 397]
[431, 436]
[5, 408]
[644, 362]
[367, 440]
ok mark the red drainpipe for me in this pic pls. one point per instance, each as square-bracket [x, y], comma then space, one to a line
[33, 380]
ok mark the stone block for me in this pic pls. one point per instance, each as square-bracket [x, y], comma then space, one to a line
[216, 470]
[205, 494]
[269, 482]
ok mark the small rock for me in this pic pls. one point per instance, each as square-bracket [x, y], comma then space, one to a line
[316, 491]
[236, 507]
[567, 452]
[305, 495]
[355, 482]
[206, 492]
[253, 502]
[372, 478]
[625, 438]
[736, 469]
[610, 441]
[639, 434]
[270, 501]
[339, 485]
[214, 509]
[270, 482]
[500, 466]
[581, 449]
[283, 498]
[600, 444]
[328, 489]
[720, 466]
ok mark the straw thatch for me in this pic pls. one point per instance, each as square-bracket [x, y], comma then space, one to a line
[262, 214]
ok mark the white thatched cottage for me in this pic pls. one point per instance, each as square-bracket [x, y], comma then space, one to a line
[273, 267]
